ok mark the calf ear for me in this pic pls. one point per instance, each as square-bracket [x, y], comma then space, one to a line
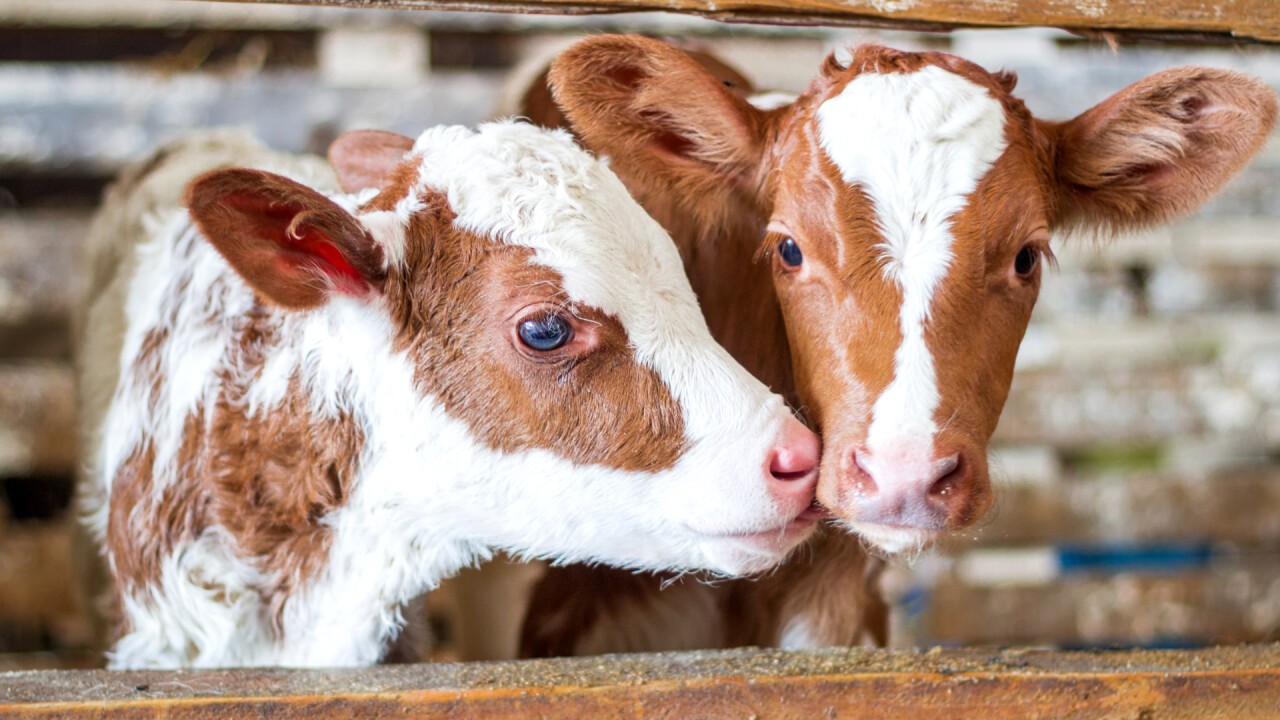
[291, 244]
[364, 158]
[1159, 148]
[661, 117]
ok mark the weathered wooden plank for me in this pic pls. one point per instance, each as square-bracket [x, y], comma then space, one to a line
[1075, 406]
[1241, 683]
[982, 600]
[238, 16]
[95, 119]
[1124, 505]
[1233, 19]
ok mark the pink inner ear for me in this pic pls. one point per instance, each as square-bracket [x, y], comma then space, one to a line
[300, 245]
[673, 143]
[319, 252]
[628, 76]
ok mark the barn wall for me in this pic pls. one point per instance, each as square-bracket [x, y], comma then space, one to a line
[1138, 459]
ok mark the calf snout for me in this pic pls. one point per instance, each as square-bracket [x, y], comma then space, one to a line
[793, 467]
[917, 490]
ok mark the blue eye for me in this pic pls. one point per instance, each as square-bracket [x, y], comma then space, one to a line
[790, 253]
[545, 333]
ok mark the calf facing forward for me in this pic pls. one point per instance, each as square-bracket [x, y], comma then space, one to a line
[325, 404]
[900, 209]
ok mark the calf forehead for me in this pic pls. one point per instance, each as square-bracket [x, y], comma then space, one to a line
[535, 188]
[917, 143]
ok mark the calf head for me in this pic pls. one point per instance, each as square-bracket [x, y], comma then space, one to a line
[905, 202]
[557, 370]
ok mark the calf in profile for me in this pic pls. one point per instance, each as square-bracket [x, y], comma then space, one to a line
[305, 409]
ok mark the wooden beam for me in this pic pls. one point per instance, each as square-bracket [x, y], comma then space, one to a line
[1195, 20]
[1242, 683]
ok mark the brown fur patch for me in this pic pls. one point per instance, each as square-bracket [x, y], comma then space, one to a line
[273, 478]
[570, 602]
[267, 478]
[135, 551]
[829, 586]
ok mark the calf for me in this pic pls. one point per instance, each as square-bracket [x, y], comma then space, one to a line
[317, 406]
[885, 233]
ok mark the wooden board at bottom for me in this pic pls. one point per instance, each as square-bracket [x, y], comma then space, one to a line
[1241, 683]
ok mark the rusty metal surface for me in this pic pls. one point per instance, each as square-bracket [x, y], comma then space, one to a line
[1195, 20]
[1239, 682]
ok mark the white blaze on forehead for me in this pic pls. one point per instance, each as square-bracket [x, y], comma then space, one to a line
[528, 186]
[917, 144]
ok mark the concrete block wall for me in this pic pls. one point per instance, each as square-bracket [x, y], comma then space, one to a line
[1138, 460]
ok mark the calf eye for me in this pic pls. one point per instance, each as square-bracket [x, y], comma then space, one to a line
[790, 253]
[545, 333]
[1025, 262]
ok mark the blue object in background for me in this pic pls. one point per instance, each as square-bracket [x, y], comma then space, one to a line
[1164, 557]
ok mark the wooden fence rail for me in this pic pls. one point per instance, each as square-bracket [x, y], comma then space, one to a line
[1241, 683]
[1196, 20]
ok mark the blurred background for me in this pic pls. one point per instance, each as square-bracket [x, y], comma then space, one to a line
[1137, 461]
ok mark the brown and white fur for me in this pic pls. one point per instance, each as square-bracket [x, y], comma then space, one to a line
[306, 408]
[921, 195]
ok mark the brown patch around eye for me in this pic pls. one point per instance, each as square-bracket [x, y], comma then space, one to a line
[455, 302]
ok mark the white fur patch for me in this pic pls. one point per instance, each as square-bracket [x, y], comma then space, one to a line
[918, 153]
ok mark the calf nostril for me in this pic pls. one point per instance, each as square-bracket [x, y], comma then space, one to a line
[949, 475]
[788, 466]
[796, 454]
[860, 476]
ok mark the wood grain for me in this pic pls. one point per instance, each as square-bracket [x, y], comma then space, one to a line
[1257, 20]
[1242, 683]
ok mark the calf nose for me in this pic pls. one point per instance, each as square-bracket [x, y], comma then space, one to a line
[922, 493]
[793, 465]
